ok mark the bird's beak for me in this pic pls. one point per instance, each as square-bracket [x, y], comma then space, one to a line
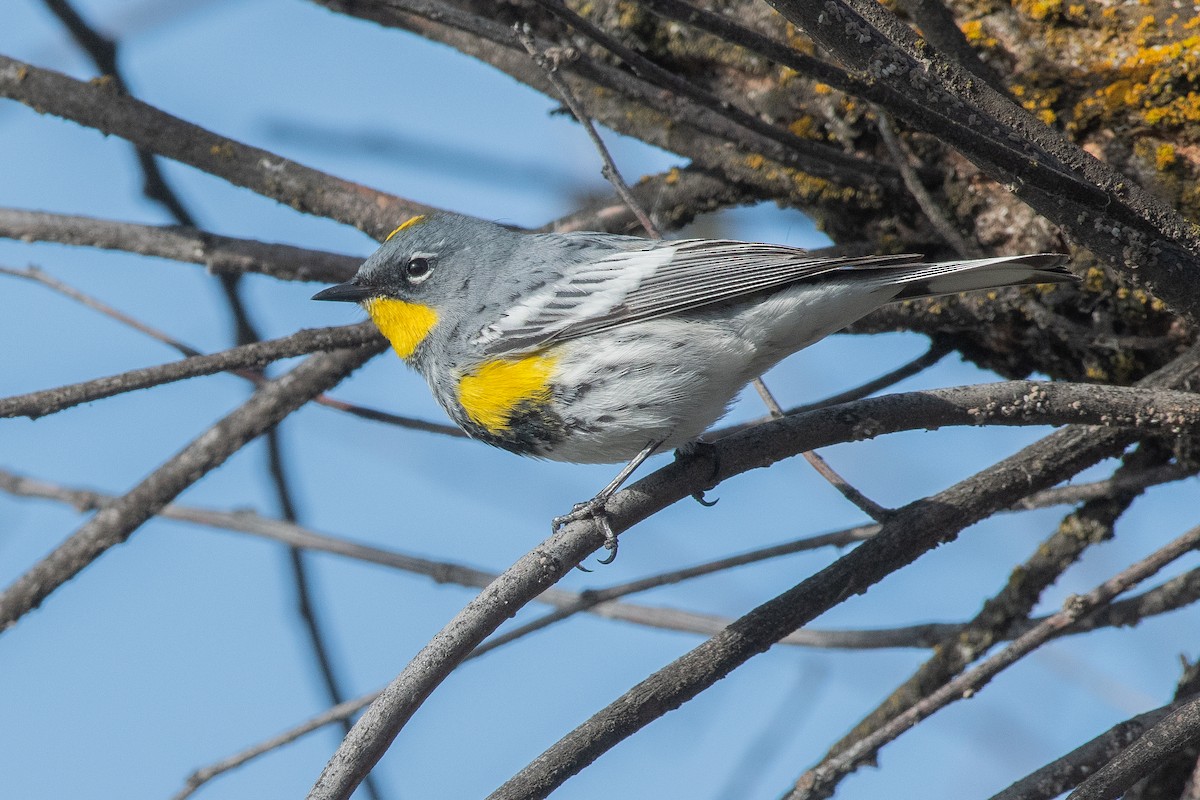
[346, 292]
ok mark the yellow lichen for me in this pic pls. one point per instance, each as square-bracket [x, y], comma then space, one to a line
[1164, 156]
[976, 35]
[1158, 84]
[1039, 10]
[805, 127]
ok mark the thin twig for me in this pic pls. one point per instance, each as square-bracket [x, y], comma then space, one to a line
[864, 503]
[331, 716]
[933, 355]
[933, 212]
[1084, 527]
[40, 276]
[549, 62]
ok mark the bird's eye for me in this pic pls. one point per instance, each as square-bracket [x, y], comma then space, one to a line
[418, 269]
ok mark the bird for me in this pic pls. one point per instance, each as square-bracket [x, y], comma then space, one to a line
[591, 347]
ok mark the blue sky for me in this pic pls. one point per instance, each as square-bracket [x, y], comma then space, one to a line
[182, 646]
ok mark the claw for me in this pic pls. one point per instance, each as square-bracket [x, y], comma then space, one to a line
[593, 509]
[699, 448]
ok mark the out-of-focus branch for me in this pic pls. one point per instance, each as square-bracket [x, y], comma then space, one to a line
[670, 121]
[1175, 593]
[219, 254]
[116, 522]
[97, 105]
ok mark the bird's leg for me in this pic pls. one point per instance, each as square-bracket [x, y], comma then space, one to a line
[595, 507]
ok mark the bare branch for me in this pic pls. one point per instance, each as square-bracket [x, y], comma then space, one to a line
[98, 106]
[549, 63]
[913, 530]
[1061, 774]
[259, 354]
[224, 255]
[1090, 524]
[114, 524]
[820, 782]
[1177, 731]
[674, 198]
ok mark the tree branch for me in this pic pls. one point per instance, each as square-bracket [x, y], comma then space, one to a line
[910, 532]
[258, 354]
[97, 106]
[114, 524]
[819, 783]
[224, 255]
[1139, 235]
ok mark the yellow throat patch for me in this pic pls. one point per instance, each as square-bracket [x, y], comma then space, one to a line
[404, 324]
[491, 393]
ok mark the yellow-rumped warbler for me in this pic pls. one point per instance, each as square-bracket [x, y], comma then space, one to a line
[597, 348]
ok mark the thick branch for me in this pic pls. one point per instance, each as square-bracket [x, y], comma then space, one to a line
[1088, 525]
[1063, 773]
[913, 530]
[1139, 235]
[909, 533]
[1178, 731]
[819, 783]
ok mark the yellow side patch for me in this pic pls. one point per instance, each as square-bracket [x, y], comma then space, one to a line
[408, 224]
[491, 393]
[404, 324]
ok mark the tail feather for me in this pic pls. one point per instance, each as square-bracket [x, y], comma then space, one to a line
[952, 277]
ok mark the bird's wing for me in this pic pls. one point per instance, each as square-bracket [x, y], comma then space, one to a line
[661, 278]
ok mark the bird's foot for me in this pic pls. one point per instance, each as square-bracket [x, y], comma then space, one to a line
[592, 509]
[700, 449]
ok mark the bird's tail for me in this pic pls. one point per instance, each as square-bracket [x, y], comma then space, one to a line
[950, 277]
